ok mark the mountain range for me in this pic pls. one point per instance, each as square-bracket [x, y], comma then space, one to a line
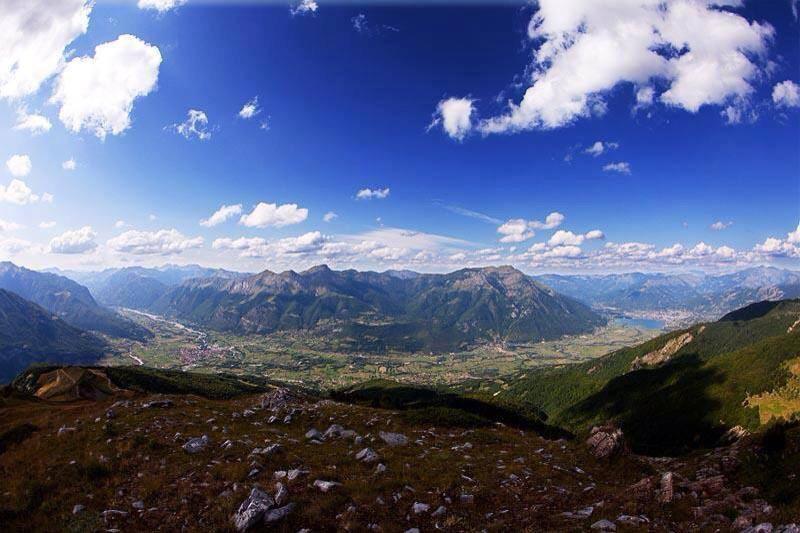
[369, 311]
[68, 300]
[29, 333]
[709, 296]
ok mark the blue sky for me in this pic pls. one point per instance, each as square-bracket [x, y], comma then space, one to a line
[343, 107]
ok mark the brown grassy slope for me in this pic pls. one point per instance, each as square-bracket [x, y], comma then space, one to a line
[109, 464]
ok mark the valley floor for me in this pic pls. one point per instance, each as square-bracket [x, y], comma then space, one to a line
[121, 465]
[296, 357]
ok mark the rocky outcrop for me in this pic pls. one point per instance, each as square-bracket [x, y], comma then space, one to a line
[606, 441]
[663, 354]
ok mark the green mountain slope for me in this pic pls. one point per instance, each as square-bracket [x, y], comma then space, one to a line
[30, 334]
[676, 391]
[68, 300]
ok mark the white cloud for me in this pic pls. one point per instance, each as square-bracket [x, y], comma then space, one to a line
[369, 194]
[599, 147]
[623, 167]
[97, 93]
[719, 225]
[565, 238]
[19, 165]
[47, 198]
[794, 236]
[515, 230]
[265, 215]
[644, 96]
[69, 164]
[455, 117]
[33, 123]
[151, 217]
[9, 226]
[33, 36]
[519, 229]
[47, 224]
[18, 192]
[700, 50]
[786, 94]
[14, 246]
[595, 234]
[120, 224]
[330, 216]
[162, 242]
[250, 109]
[161, 6]
[74, 242]
[307, 243]
[196, 124]
[222, 214]
[304, 7]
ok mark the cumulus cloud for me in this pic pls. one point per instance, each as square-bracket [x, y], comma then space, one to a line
[33, 38]
[195, 125]
[33, 123]
[250, 109]
[600, 147]
[74, 242]
[700, 51]
[265, 215]
[120, 224]
[8, 226]
[222, 214]
[622, 167]
[519, 229]
[719, 225]
[312, 241]
[369, 194]
[329, 216]
[304, 7]
[161, 6]
[162, 242]
[786, 94]
[18, 192]
[97, 93]
[19, 165]
[454, 115]
[13, 245]
[69, 164]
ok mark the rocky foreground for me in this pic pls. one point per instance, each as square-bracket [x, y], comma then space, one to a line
[277, 461]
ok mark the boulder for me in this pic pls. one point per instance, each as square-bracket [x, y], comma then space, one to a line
[281, 494]
[252, 509]
[367, 455]
[332, 432]
[666, 490]
[325, 486]
[419, 508]
[196, 445]
[314, 434]
[277, 399]
[393, 439]
[604, 525]
[278, 514]
[606, 441]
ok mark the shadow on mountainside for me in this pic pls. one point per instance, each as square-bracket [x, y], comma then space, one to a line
[663, 411]
[428, 405]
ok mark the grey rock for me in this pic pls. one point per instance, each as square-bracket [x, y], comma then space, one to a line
[196, 444]
[78, 509]
[138, 504]
[278, 514]
[252, 509]
[380, 469]
[325, 486]
[367, 455]
[440, 511]
[158, 403]
[604, 525]
[393, 439]
[281, 494]
[335, 430]
[419, 508]
[314, 434]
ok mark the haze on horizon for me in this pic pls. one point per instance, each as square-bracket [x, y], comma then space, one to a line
[580, 136]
